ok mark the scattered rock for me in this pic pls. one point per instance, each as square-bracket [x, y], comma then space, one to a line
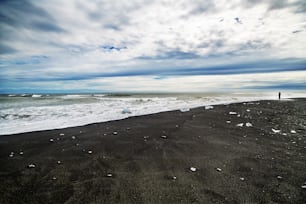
[275, 131]
[279, 177]
[89, 152]
[208, 107]
[164, 136]
[293, 131]
[248, 110]
[54, 178]
[193, 169]
[241, 179]
[21, 153]
[109, 175]
[184, 110]
[51, 140]
[11, 154]
[218, 169]
[61, 134]
[73, 137]
[240, 125]
[304, 186]
[174, 177]
[59, 162]
[115, 133]
[31, 166]
[248, 125]
[233, 113]
[228, 121]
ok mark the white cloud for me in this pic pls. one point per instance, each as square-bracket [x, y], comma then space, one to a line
[160, 30]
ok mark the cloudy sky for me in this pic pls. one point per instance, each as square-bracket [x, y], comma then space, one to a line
[152, 45]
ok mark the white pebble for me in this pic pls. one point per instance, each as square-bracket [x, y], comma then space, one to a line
[51, 140]
[89, 152]
[248, 125]
[232, 113]
[31, 165]
[164, 136]
[242, 179]
[174, 177]
[218, 169]
[208, 107]
[61, 134]
[59, 162]
[193, 169]
[279, 177]
[293, 131]
[248, 110]
[275, 131]
[73, 137]
[240, 125]
[109, 175]
[228, 121]
[115, 133]
[21, 153]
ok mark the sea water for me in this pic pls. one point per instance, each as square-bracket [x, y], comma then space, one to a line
[33, 112]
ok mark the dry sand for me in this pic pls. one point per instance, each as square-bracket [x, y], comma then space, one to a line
[199, 156]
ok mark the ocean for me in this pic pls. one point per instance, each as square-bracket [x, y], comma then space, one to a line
[32, 112]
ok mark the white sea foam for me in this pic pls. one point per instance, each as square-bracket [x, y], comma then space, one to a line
[25, 114]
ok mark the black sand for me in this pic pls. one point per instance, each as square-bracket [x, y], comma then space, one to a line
[137, 165]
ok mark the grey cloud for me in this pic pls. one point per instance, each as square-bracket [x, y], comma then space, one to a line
[175, 54]
[6, 49]
[14, 13]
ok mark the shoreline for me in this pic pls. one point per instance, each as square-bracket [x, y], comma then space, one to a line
[202, 106]
[201, 156]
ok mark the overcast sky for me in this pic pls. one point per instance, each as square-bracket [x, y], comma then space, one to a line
[152, 45]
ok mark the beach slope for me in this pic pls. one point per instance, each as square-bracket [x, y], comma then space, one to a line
[238, 153]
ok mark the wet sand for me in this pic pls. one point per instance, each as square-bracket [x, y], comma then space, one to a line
[199, 156]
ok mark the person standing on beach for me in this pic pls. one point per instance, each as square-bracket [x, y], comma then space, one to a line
[279, 95]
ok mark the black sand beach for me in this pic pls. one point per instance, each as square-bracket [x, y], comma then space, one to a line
[149, 159]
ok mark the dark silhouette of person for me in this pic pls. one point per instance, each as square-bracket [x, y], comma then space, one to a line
[279, 95]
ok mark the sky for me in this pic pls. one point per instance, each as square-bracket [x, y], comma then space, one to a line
[55, 46]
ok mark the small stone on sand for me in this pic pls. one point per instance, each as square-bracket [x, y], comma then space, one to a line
[73, 137]
[53, 178]
[275, 131]
[51, 140]
[304, 186]
[208, 107]
[184, 110]
[242, 179]
[193, 169]
[228, 121]
[109, 175]
[31, 165]
[233, 113]
[115, 133]
[89, 152]
[174, 177]
[293, 131]
[59, 162]
[164, 136]
[248, 125]
[279, 177]
[21, 153]
[61, 134]
[218, 169]
[240, 125]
